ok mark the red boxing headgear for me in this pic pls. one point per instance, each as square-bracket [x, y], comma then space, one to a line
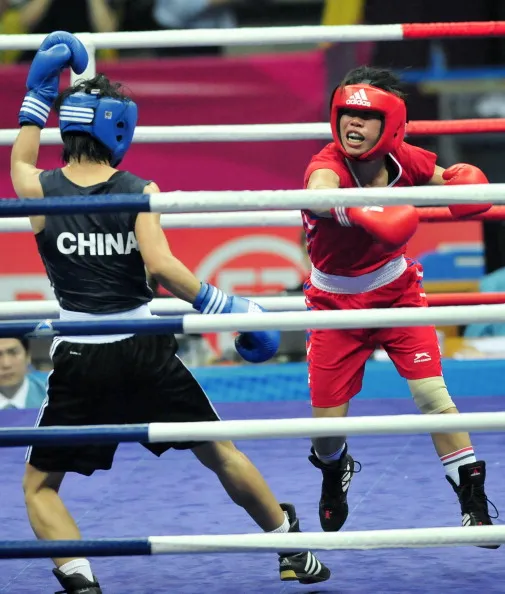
[368, 98]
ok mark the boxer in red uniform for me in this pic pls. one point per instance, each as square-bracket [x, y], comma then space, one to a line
[358, 262]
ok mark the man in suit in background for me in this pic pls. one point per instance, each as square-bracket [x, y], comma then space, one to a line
[18, 388]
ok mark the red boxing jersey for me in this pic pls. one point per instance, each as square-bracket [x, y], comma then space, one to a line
[351, 251]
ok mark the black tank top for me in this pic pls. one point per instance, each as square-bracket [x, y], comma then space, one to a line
[93, 261]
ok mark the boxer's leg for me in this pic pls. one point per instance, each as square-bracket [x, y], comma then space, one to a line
[76, 396]
[416, 355]
[173, 395]
[336, 360]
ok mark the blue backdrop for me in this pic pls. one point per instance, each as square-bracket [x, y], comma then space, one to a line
[288, 381]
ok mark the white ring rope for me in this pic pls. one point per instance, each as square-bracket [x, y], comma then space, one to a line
[15, 225]
[279, 319]
[254, 200]
[324, 427]
[271, 218]
[234, 201]
[296, 319]
[223, 220]
[281, 218]
[264, 132]
[13, 310]
[202, 202]
[345, 319]
[320, 541]
[221, 37]
[218, 133]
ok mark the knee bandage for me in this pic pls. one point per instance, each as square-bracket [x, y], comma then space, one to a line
[431, 395]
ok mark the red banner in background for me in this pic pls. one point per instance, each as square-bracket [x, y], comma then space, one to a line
[280, 88]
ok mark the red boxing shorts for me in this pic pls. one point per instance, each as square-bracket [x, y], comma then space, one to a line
[336, 358]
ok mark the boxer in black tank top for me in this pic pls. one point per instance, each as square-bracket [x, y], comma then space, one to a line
[93, 261]
[96, 264]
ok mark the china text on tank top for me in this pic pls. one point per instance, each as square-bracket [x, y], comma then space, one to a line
[93, 260]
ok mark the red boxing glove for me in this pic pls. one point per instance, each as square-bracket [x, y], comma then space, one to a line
[392, 226]
[462, 174]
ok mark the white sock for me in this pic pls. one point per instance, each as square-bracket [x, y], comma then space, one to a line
[284, 527]
[81, 566]
[329, 458]
[453, 461]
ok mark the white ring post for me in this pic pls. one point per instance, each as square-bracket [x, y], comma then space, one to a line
[90, 71]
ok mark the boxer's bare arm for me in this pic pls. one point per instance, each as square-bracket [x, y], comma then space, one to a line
[158, 258]
[323, 179]
[24, 171]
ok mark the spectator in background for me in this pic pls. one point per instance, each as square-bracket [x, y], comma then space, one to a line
[45, 16]
[18, 389]
[181, 14]
[195, 14]
[12, 21]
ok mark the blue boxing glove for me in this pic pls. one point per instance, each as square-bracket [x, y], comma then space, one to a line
[254, 347]
[58, 50]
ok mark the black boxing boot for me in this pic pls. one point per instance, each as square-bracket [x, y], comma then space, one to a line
[472, 496]
[302, 567]
[76, 583]
[337, 476]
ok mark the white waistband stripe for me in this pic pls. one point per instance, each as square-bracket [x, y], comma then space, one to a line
[351, 285]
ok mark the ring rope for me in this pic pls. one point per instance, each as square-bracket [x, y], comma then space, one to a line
[252, 429]
[270, 35]
[439, 214]
[222, 201]
[18, 310]
[280, 218]
[254, 543]
[271, 132]
[250, 322]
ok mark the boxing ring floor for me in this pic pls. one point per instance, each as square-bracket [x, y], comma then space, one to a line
[402, 485]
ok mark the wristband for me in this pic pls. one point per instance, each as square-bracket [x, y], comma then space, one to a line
[34, 111]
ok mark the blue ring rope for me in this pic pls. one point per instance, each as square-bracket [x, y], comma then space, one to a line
[75, 204]
[50, 328]
[109, 547]
[69, 435]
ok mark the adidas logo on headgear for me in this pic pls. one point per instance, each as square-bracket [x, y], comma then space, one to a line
[359, 98]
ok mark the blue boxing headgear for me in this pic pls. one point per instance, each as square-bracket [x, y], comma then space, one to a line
[110, 121]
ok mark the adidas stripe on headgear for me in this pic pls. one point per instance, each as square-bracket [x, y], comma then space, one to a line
[369, 98]
[110, 121]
